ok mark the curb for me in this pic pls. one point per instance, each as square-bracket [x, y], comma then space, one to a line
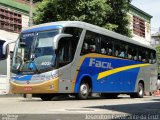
[10, 95]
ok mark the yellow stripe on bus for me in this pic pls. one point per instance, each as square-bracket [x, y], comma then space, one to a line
[116, 70]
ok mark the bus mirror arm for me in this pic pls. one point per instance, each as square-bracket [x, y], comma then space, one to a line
[58, 37]
[5, 46]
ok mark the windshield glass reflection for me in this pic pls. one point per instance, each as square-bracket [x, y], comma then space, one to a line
[34, 52]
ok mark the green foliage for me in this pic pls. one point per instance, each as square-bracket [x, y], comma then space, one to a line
[119, 17]
[102, 13]
[91, 11]
[158, 54]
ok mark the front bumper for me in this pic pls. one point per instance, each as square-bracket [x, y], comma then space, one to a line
[51, 86]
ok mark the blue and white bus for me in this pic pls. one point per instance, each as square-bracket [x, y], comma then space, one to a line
[72, 57]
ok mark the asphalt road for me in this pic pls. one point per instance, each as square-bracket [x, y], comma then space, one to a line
[19, 108]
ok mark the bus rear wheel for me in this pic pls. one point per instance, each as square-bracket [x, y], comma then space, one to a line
[83, 91]
[46, 97]
[140, 92]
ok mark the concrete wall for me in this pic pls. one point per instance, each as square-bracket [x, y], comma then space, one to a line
[147, 39]
[11, 36]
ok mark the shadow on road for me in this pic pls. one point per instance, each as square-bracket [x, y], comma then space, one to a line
[70, 98]
[136, 108]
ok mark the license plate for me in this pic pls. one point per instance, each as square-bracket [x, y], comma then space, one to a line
[28, 88]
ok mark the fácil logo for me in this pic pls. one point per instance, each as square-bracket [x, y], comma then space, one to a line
[100, 64]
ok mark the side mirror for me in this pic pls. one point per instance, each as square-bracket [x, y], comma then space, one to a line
[4, 49]
[57, 38]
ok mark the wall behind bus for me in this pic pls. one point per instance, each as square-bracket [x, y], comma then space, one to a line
[18, 16]
[143, 30]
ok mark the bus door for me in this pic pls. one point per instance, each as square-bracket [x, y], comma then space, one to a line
[64, 60]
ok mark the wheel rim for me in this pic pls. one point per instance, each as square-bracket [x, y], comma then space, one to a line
[84, 89]
[140, 90]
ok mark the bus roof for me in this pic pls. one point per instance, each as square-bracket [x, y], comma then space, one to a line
[84, 25]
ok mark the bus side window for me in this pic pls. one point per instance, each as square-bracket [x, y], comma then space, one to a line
[103, 51]
[106, 45]
[142, 54]
[153, 57]
[132, 53]
[91, 43]
[92, 48]
[150, 57]
[116, 53]
[85, 48]
[123, 50]
[146, 56]
[64, 52]
[139, 57]
[76, 32]
[116, 49]
[119, 49]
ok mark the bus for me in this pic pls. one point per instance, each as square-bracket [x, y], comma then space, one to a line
[4, 67]
[78, 58]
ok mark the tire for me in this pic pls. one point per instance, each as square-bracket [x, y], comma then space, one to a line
[46, 97]
[140, 92]
[84, 91]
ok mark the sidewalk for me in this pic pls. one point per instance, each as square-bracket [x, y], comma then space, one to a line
[11, 95]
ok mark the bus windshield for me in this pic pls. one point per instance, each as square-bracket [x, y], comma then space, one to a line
[34, 52]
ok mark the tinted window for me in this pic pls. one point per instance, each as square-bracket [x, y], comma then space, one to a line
[76, 32]
[91, 43]
[132, 52]
[106, 45]
[146, 55]
[120, 49]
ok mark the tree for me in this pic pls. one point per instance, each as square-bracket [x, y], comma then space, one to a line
[97, 12]
[91, 11]
[118, 17]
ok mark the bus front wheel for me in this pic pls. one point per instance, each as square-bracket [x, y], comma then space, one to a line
[83, 91]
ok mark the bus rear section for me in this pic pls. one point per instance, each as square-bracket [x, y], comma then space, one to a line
[113, 66]
[4, 69]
